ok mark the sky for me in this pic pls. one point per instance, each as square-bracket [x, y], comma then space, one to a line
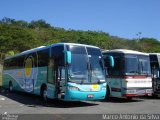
[122, 18]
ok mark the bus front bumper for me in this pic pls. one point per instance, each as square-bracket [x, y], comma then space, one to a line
[137, 92]
[72, 95]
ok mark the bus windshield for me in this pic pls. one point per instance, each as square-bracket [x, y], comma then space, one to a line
[137, 65]
[86, 65]
[96, 65]
[78, 68]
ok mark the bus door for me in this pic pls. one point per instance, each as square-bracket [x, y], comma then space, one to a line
[59, 80]
[55, 79]
[114, 74]
[155, 78]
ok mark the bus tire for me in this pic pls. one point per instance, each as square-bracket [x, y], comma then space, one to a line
[154, 95]
[10, 87]
[107, 97]
[44, 93]
[129, 98]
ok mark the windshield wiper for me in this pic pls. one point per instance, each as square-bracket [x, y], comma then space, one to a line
[135, 72]
[145, 73]
[96, 76]
[89, 71]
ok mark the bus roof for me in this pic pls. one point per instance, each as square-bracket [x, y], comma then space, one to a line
[74, 44]
[125, 51]
[45, 47]
[154, 54]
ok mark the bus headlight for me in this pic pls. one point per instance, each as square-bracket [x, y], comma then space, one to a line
[73, 88]
[104, 88]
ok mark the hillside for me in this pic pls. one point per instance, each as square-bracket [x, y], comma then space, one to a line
[18, 35]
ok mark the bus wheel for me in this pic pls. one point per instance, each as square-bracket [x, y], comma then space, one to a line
[44, 94]
[10, 86]
[129, 98]
[154, 95]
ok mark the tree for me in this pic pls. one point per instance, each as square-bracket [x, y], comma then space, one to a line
[19, 35]
[39, 24]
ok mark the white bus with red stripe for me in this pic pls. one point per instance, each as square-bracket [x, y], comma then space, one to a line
[130, 76]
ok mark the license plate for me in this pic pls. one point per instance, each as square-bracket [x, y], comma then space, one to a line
[140, 91]
[149, 91]
[90, 95]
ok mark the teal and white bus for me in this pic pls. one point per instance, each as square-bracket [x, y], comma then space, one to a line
[66, 71]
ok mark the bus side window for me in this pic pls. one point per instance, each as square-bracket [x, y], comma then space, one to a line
[155, 72]
[50, 77]
[116, 70]
[43, 57]
[57, 52]
[61, 73]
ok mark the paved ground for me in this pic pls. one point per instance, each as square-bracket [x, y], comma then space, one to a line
[21, 103]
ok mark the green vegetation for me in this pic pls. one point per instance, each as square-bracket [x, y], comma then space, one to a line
[18, 35]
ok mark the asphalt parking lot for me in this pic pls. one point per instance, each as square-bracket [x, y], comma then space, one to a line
[22, 103]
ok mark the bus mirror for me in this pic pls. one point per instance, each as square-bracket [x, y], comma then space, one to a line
[109, 61]
[68, 57]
